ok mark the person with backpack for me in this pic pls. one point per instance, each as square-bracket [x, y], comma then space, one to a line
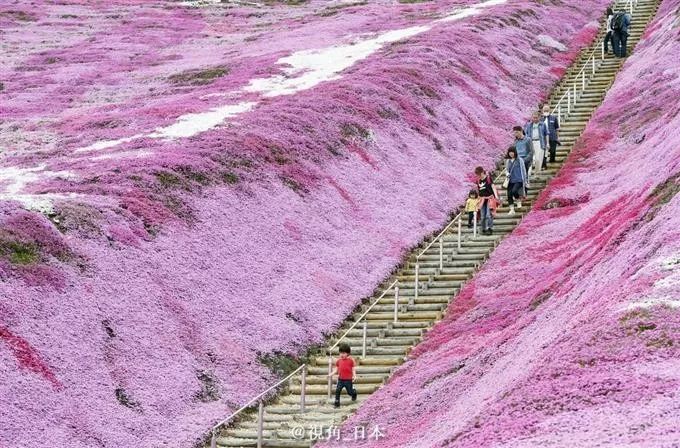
[625, 34]
[608, 36]
[620, 24]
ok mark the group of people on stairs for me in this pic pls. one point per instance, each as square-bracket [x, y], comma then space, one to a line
[535, 146]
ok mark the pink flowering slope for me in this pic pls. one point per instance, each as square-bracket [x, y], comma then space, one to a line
[569, 336]
[136, 302]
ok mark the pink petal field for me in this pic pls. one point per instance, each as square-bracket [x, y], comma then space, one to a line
[186, 189]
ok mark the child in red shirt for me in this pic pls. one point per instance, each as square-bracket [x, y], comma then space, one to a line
[344, 368]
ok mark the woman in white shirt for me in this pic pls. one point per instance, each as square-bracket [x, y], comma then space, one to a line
[608, 37]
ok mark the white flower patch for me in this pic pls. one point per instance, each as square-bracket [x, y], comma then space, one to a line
[303, 70]
[14, 180]
[104, 144]
[123, 155]
[548, 41]
[664, 291]
[192, 124]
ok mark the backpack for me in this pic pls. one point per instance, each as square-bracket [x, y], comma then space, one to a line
[617, 21]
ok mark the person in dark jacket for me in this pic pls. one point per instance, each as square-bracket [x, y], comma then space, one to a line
[624, 35]
[553, 125]
[620, 24]
[517, 178]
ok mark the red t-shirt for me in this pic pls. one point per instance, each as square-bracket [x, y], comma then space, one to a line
[344, 368]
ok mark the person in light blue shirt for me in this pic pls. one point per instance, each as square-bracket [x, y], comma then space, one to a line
[537, 131]
[525, 150]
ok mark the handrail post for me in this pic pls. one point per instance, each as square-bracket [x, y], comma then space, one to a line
[417, 282]
[583, 80]
[303, 381]
[396, 301]
[568, 102]
[460, 230]
[574, 94]
[474, 225]
[260, 424]
[363, 344]
[213, 440]
[593, 66]
[330, 370]
[559, 113]
[441, 253]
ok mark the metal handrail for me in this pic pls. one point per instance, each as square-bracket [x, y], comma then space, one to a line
[253, 400]
[630, 5]
[363, 315]
[458, 216]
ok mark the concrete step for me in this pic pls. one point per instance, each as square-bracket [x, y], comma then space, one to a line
[438, 278]
[406, 307]
[268, 442]
[319, 389]
[315, 401]
[462, 273]
[389, 325]
[386, 304]
[294, 409]
[410, 316]
[361, 379]
[462, 266]
[409, 290]
[375, 332]
[463, 253]
[370, 351]
[374, 360]
[360, 370]
[451, 248]
[382, 341]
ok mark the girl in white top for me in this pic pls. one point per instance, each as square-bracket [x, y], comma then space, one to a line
[608, 37]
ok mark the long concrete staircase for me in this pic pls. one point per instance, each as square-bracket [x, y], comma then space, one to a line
[441, 271]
